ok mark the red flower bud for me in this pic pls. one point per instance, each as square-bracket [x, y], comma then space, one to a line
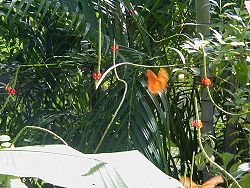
[131, 11]
[97, 75]
[115, 48]
[10, 90]
[197, 123]
[206, 81]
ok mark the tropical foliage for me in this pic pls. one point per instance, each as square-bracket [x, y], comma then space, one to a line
[51, 48]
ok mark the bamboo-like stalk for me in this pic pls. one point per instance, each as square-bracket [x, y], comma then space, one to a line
[203, 16]
[227, 174]
[207, 110]
[99, 45]
[203, 19]
[119, 106]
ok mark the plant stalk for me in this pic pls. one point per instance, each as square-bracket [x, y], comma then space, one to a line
[39, 128]
[204, 152]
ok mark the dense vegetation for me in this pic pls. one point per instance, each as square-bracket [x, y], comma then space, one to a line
[49, 50]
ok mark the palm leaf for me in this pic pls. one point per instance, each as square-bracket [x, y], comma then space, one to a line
[53, 163]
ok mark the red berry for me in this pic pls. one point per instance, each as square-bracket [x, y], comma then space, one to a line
[115, 48]
[206, 81]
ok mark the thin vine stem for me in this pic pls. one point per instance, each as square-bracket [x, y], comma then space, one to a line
[209, 93]
[5, 103]
[135, 65]
[204, 152]
[214, 163]
[221, 109]
[184, 64]
[192, 168]
[185, 173]
[39, 128]
[126, 86]
[9, 96]
[204, 63]
[99, 45]
[119, 106]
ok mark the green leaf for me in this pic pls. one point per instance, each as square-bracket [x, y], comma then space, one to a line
[245, 181]
[242, 71]
[226, 158]
[52, 162]
[199, 161]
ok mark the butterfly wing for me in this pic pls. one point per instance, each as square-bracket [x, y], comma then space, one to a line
[163, 79]
[186, 184]
[153, 82]
[212, 182]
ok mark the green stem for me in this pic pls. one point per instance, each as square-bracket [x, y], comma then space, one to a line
[221, 109]
[214, 163]
[192, 169]
[126, 88]
[204, 152]
[204, 63]
[135, 65]
[118, 108]
[146, 66]
[39, 128]
[99, 44]
[51, 64]
[185, 174]
[5, 103]
[209, 93]
[15, 79]
[9, 96]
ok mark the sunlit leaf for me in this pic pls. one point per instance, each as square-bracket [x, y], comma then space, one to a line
[52, 163]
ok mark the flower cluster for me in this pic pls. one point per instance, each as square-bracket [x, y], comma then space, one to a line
[115, 48]
[131, 11]
[197, 123]
[206, 81]
[10, 90]
[97, 75]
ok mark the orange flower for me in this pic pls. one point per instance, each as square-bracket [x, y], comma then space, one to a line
[197, 123]
[211, 183]
[206, 81]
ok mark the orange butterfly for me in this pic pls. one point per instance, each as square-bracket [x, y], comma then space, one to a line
[211, 183]
[157, 83]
